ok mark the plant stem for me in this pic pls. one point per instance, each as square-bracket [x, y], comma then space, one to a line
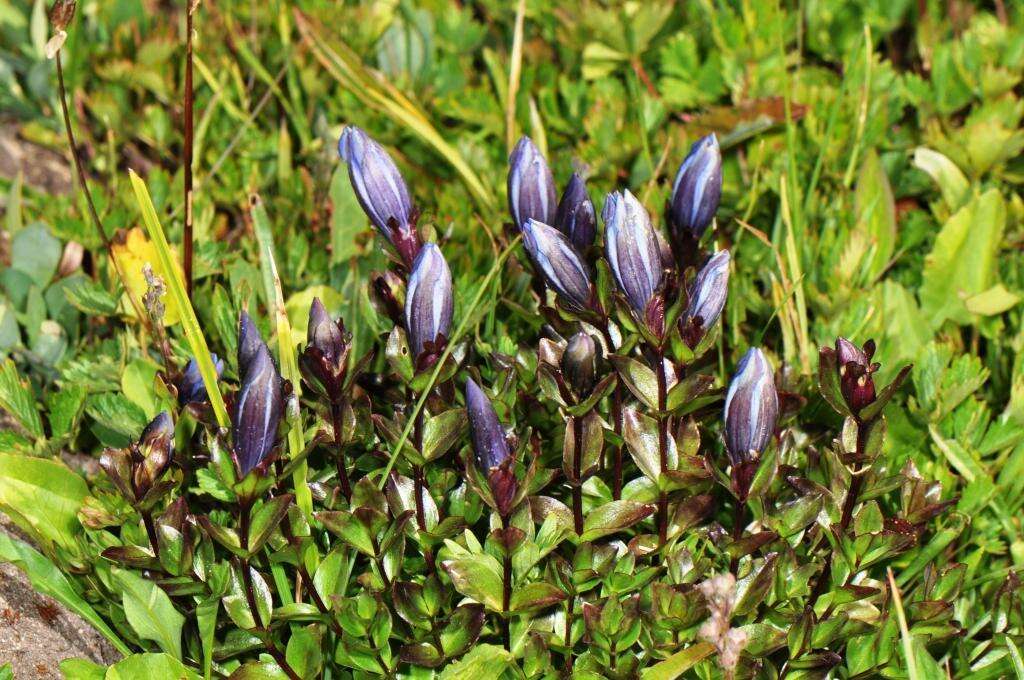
[339, 449]
[662, 445]
[848, 505]
[80, 170]
[739, 514]
[617, 453]
[250, 595]
[506, 589]
[577, 464]
[568, 632]
[187, 248]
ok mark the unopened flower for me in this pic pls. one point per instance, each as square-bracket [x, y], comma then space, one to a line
[855, 373]
[429, 301]
[490, 448]
[697, 189]
[707, 295]
[155, 448]
[559, 263]
[632, 249]
[531, 187]
[325, 359]
[191, 389]
[259, 404]
[575, 216]
[751, 408]
[381, 190]
[579, 363]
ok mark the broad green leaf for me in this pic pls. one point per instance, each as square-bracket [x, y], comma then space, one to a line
[151, 667]
[47, 579]
[483, 661]
[876, 216]
[65, 406]
[42, 496]
[478, 577]
[36, 252]
[137, 383]
[963, 260]
[612, 517]
[81, 669]
[993, 301]
[17, 399]
[150, 612]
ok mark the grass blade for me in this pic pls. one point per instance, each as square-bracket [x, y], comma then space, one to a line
[285, 349]
[176, 287]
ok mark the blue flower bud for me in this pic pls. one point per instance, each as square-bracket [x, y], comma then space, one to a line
[575, 216]
[191, 389]
[708, 291]
[325, 334]
[751, 408]
[380, 189]
[258, 406]
[559, 263]
[489, 444]
[531, 187]
[697, 189]
[428, 301]
[249, 341]
[156, 448]
[632, 249]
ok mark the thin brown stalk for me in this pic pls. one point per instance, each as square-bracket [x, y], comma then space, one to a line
[93, 214]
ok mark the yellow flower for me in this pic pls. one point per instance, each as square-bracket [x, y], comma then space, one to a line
[132, 256]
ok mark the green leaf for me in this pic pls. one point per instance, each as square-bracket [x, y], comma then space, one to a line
[137, 384]
[951, 180]
[265, 520]
[65, 407]
[640, 379]
[478, 577]
[535, 596]
[680, 662]
[81, 669]
[151, 667]
[876, 216]
[206, 623]
[993, 301]
[963, 260]
[47, 579]
[36, 252]
[17, 399]
[483, 661]
[150, 612]
[303, 653]
[42, 497]
[91, 298]
[612, 517]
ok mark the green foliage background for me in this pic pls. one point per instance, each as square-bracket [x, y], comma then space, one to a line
[873, 173]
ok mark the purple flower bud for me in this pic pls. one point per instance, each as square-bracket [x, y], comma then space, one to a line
[531, 187]
[249, 341]
[697, 189]
[579, 363]
[191, 389]
[325, 334]
[709, 290]
[631, 246]
[855, 369]
[575, 216]
[486, 432]
[156, 448]
[380, 189]
[558, 262]
[428, 301]
[258, 406]
[751, 408]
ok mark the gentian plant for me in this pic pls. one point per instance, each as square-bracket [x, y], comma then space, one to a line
[595, 503]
